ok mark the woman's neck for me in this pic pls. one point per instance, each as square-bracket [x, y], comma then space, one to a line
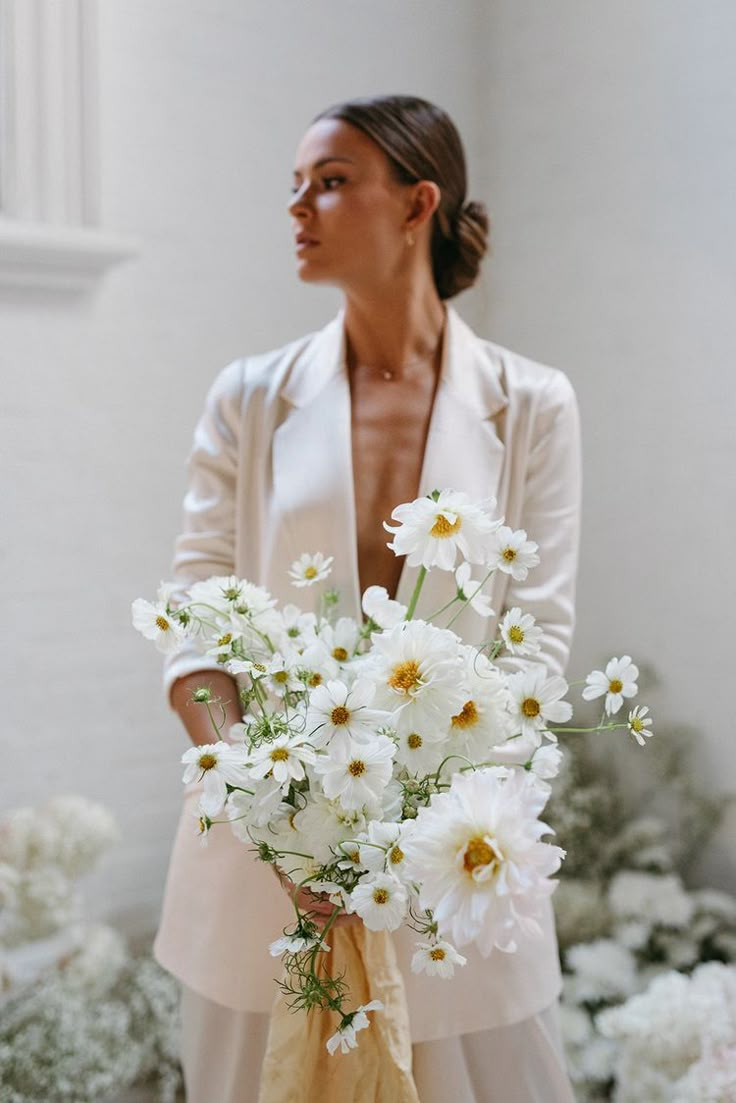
[388, 334]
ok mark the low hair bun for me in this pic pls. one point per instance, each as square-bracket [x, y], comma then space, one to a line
[457, 255]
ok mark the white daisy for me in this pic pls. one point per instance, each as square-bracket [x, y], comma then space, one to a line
[536, 700]
[484, 719]
[283, 759]
[381, 902]
[308, 569]
[335, 708]
[436, 959]
[217, 764]
[638, 724]
[520, 633]
[512, 553]
[418, 671]
[471, 590]
[432, 530]
[156, 621]
[344, 1037]
[379, 607]
[617, 682]
[356, 773]
[477, 855]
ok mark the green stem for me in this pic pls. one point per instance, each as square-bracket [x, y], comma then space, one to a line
[467, 600]
[417, 590]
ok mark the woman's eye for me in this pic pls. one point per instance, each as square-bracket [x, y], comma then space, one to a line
[331, 181]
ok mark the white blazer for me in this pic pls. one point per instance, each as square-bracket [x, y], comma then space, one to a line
[270, 477]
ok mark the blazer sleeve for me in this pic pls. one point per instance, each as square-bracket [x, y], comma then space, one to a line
[551, 516]
[206, 544]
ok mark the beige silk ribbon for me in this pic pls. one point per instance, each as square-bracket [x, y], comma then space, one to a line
[297, 1067]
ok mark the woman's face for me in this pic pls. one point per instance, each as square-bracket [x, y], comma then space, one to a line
[349, 213]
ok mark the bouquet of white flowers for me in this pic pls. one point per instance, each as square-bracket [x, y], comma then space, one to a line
[387, 764]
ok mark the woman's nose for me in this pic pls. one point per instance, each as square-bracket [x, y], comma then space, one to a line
[298, 204]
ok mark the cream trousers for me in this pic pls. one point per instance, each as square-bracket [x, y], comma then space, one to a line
[222, 1052]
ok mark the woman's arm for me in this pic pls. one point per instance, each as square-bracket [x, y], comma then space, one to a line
[194, 716]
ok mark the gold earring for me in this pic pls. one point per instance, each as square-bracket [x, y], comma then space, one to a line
[410, 238]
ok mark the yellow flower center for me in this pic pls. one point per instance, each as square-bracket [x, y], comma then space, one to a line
[281, 676]
[479, 853]
[202, 825]
[405, 677]
[225, 640]
[437, 954]
[396, 856]
[615, 686]
[509, 554]
[162, 624]
[414, 741]
[207, 761]
[381, 896]
[530, 707]
[467, 717]
[340, 715]
[356, 768]
[315, 680]
[516, 634]
[637, 724]
[442, 528]
[310, 573]
[279, 754]
[340, 654]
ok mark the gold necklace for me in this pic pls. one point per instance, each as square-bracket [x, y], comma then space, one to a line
[391, 374]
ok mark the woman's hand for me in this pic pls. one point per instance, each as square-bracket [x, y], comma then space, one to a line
[318, 905]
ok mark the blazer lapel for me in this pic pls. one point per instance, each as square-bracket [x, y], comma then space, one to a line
[313, 497]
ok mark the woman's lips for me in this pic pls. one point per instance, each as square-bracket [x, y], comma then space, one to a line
[304, 241]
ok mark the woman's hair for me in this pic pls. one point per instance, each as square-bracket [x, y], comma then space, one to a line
[422, 143]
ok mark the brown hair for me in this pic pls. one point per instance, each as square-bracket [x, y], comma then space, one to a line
[422, 143]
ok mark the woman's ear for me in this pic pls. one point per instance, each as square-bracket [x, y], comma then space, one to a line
[424, 202]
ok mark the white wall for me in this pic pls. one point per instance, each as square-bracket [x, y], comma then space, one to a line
[602, 137]
[202, 105]
[612, 150]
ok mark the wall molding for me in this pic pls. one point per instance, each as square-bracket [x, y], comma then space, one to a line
[49, 147]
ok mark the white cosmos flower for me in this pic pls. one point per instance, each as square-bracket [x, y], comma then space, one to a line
[341, 639]
[156, 622]
[638, 724]
[536, 700]
[335, 708]
[381, 902]
[308, 569]
[316, 665]
[216, 764]
[436, 959]
[295, 944]
[344, 1037]
[325, 825]
[484, 719]
[297, 629]
[381, 847]
[356, 773]
[512, 553]
[418, 753]
[617, 682]
[432, 530]
[418, 673]
[380, 608]
[263, 805]
[477, 855]
[282, 674]
[547, 761]
[520, 633]
[228, 594]
[283, 759]
[471, 590]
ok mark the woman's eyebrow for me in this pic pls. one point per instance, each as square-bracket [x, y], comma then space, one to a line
[326, 161]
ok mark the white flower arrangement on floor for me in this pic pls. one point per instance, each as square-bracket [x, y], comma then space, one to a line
[624, 916]
[388, 765]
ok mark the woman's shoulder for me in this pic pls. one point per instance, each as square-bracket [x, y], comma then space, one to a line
[526, 381]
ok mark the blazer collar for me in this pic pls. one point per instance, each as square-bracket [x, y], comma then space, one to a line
[470, 369]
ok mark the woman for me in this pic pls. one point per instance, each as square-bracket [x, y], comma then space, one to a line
[309, 448]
